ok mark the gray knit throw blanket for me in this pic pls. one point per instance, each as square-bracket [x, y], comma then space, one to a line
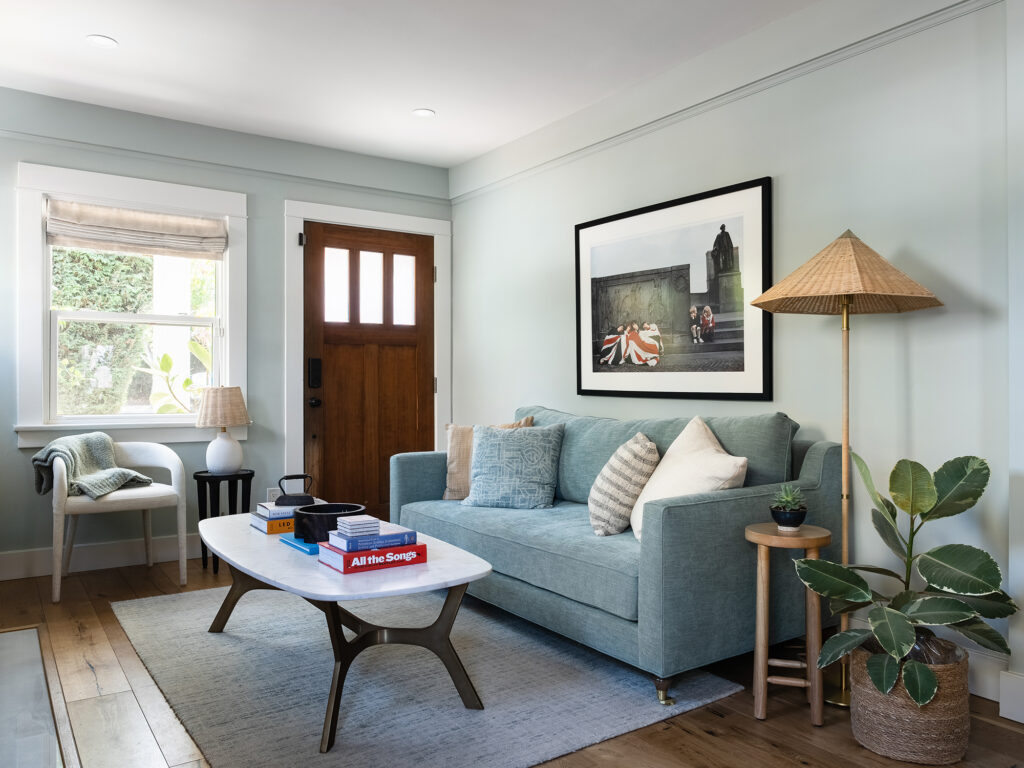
[90, 462]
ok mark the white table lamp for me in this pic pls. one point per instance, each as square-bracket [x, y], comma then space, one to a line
[223, 407]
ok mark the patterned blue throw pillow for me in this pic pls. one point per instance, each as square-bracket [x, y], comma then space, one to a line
[514, 468]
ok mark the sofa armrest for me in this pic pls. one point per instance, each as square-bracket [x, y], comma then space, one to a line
[417, 477]
[697, 583]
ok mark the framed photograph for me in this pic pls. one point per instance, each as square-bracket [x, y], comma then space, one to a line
[663, 298]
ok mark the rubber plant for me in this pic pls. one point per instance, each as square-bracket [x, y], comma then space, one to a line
[953, 585]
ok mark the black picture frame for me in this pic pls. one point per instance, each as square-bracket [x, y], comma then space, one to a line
[639, 276]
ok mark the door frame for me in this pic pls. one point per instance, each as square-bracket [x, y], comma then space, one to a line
[296, 213]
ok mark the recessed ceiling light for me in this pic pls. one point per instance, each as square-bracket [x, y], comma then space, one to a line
[101, 41]
[424, 112]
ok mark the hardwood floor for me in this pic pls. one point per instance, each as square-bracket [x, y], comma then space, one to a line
[118, 716]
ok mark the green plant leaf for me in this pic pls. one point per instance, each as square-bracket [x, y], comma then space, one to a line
[876, 569]
[166, 363]
[960, 568]
[893, 630]
[889, 509]
[884, 671]
[832, 580]
[837, 606]
[911, 487]
[997, 605]
[841, 644]
[938, 610]
[886, 528]
[898, 601]
[981, 633]
[920, 682]
[869, 483]
[202, 354]
[959, 484]
[170, 408]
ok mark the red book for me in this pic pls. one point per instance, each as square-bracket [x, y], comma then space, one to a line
[371, 559]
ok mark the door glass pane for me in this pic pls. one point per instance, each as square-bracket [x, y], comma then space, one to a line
[404, 297]
[107, 368]
[371, 287]
[335, 285]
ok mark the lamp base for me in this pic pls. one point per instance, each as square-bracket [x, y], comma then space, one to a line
[224, 454]
[837, 683]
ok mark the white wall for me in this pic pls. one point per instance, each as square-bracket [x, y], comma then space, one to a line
[902, 140]
[38, 129]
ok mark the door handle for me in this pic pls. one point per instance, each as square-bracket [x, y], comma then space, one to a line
[314, 402]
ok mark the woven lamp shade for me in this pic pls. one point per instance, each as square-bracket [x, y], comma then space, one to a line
[846, 267]
[222, 407]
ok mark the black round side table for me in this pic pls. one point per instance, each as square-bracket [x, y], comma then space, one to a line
[208, 486]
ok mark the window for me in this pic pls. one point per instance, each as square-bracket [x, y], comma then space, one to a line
[132, 300]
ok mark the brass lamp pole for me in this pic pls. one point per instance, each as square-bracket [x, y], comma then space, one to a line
[846, 277]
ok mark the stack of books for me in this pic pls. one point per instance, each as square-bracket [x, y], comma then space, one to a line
[270, 518]
[364, 543]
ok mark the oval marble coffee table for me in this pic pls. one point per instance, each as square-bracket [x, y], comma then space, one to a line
[259, 561]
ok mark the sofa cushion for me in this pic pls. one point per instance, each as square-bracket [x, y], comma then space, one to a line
[460, 456]
[765, 439]
[553, 549]
[694, 463]
[620, 484]
[515, 468]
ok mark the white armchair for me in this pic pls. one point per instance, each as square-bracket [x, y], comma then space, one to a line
[145, 498]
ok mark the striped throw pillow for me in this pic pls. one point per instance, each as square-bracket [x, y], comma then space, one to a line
[620, 483]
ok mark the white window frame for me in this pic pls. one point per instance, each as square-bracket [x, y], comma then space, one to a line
[36, 338]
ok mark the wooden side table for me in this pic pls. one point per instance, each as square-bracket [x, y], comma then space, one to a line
[811, 539]
[208, 486]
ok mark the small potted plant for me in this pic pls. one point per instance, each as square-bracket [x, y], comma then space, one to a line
[909, 695]
[788, 508]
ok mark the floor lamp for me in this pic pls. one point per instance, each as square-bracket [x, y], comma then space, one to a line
[846, 278]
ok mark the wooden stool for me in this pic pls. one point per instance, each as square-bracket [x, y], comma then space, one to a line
[809, 538]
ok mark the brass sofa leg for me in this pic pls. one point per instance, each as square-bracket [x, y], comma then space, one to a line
[662, 685]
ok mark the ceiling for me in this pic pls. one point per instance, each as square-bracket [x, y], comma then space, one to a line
[347, 74]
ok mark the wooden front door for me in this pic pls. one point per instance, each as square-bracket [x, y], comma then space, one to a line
[369, 351]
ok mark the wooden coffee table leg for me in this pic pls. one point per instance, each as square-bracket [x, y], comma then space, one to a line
[435, 638]
[241, 582]
[439, 636]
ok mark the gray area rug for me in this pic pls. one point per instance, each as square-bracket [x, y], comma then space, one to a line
[255, 695]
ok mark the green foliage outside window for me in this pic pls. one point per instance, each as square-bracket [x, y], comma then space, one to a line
[104, 282]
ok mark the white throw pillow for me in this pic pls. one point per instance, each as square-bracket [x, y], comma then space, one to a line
[694, 463]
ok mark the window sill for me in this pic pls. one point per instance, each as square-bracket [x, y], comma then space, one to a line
[38, 435]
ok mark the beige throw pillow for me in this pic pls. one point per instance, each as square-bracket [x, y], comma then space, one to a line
[619, 484]
[694, 463]
[460, 456]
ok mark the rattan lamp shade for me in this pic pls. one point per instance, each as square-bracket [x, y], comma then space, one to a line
[846, 267]
[222, 407]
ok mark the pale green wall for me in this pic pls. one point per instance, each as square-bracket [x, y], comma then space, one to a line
[904, 143]
[38, 129]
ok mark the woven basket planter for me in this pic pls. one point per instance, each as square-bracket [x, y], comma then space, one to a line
[894, 726]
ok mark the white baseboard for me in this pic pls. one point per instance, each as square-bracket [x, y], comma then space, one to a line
[26, 563]
[984, 669]
[1011, 696]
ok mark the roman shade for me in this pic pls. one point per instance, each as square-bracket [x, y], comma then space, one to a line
[101, 227]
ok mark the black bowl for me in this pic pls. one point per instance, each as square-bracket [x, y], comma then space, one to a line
[784, 518]
[313, 523]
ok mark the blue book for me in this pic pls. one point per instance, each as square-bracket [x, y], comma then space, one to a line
[390, 535]
[299, 544]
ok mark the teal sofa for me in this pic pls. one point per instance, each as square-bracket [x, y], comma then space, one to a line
[682, 597]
